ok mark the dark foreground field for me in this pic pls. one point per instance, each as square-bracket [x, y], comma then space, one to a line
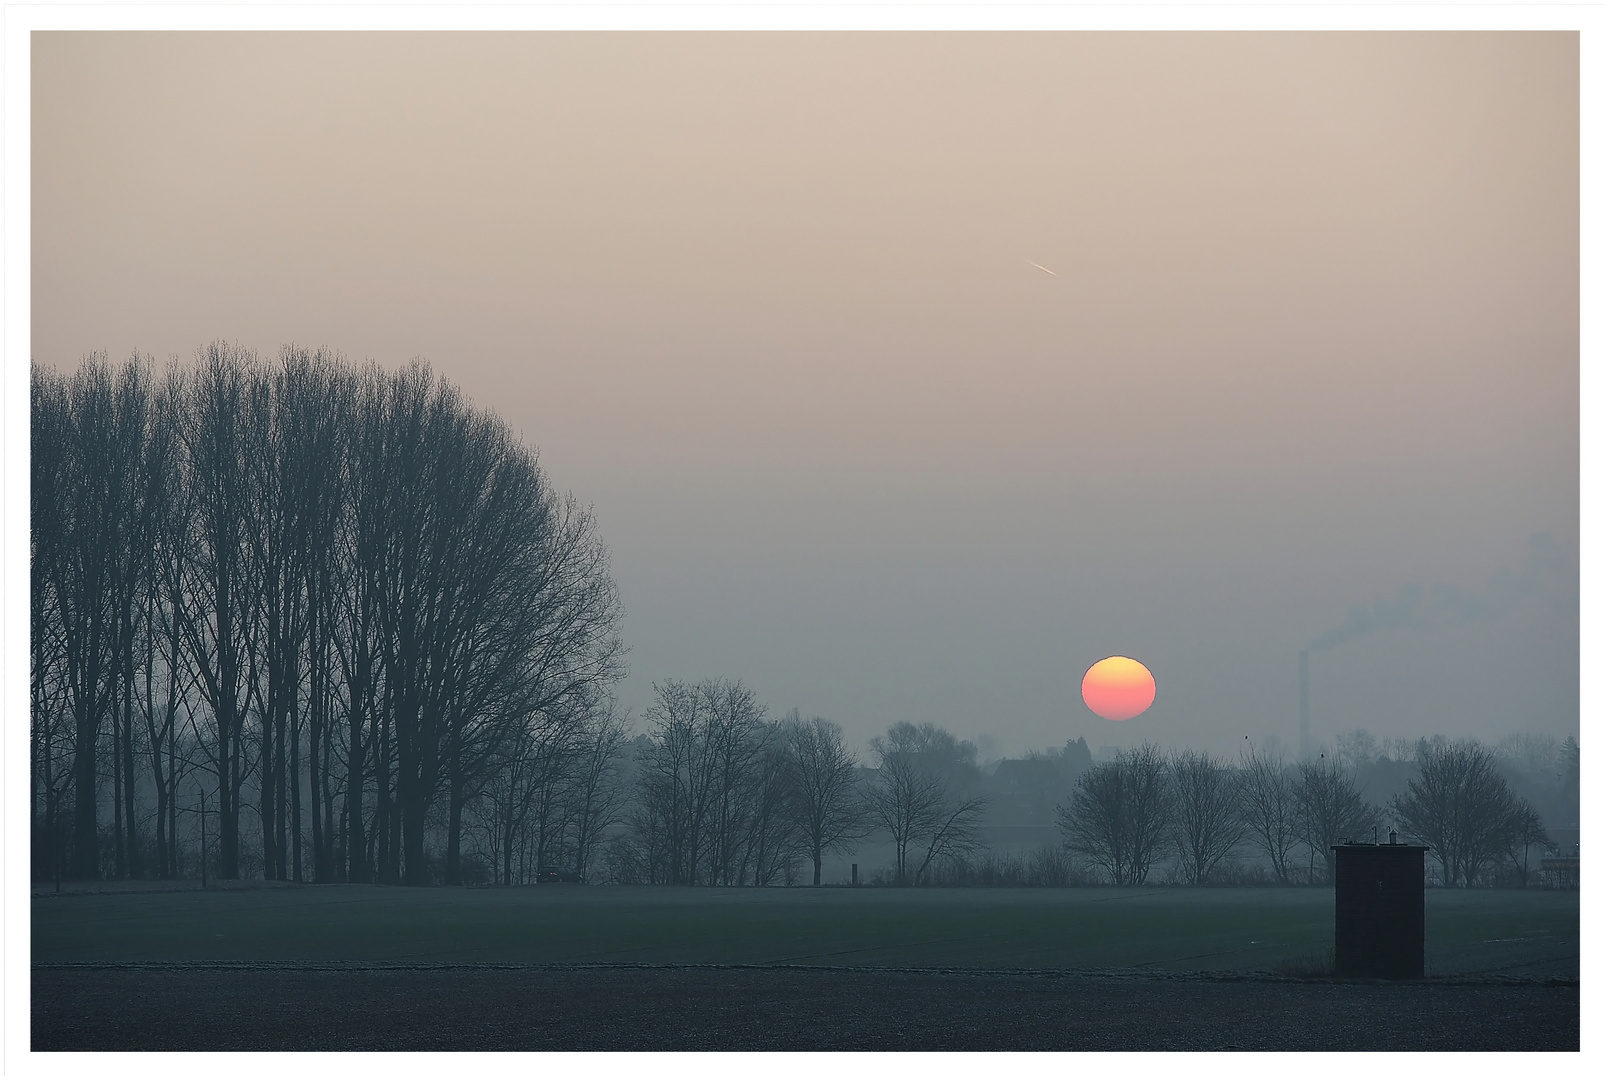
[682, 1008]
[370, 968]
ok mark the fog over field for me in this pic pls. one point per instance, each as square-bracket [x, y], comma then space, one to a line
[1302, 373]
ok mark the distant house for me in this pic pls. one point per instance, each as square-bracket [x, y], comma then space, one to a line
[1026, 776]
[1025, 791]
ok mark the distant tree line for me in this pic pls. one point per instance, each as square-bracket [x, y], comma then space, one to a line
[725, 796]
[1125, 815]
[318, 611]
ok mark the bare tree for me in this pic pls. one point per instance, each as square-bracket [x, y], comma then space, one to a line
[1329, 809]
[87, 530]
[1268, 809]
[1207, 822]
[540, 641]
[164, 618]
[597, 793]
[520, 794]
[920, 797]
[672, 797]
[1398, 749]
[1119, 813]
[905, 800]
[280, 539]
[1357, 748]
[487, 605]
[772, 840]
[823, 798]
[350, 589]
[1460, 807]
[133, 570]
[220, 626]
[710, 789]
[732, 751]
[1526, 831]
[326, 399]
[364, 533]
[555, 749]
[52, 677]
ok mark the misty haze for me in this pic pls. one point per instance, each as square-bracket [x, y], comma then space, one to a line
[763, 523]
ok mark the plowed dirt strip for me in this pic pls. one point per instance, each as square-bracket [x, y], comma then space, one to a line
[745, 1008]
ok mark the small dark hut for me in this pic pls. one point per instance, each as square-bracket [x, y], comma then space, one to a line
[1380, 910]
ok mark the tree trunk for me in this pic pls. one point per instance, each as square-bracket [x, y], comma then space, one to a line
[228, 792]
[385, 835]
[455, 820]
[332, 832]
[414, 805]
[173, 805]
[394, 845]
[131, 832]
[357, 869]
[314, 792]
[119, 867]
[86, 841]
[265, 780]
[293, 775]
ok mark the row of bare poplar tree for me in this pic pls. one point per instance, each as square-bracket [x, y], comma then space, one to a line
[337, 604]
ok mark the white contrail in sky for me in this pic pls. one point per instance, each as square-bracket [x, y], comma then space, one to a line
[1046, 269]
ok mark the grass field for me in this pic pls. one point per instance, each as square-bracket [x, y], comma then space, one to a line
[1159, 929]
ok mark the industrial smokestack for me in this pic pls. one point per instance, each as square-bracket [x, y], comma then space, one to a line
[1301, 680]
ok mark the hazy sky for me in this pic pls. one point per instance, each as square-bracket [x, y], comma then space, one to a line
[768, 304]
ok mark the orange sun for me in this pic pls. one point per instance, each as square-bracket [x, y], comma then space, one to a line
[1118, 688]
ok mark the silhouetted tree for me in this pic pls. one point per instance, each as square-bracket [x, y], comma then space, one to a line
[1119, 813]
[597, 794]
[1269, 810]
[772, 839]
[1461, 808]
[823, 798]
[1072, 760]
[1525, 831]
[1357, 749]
[89, 527]
[221, 627]
[53, 681]
[1329, 809]
[1207, 821]
[306, 582]
[711, 790]
[165, 665]
[733, 747]
[923, 796]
